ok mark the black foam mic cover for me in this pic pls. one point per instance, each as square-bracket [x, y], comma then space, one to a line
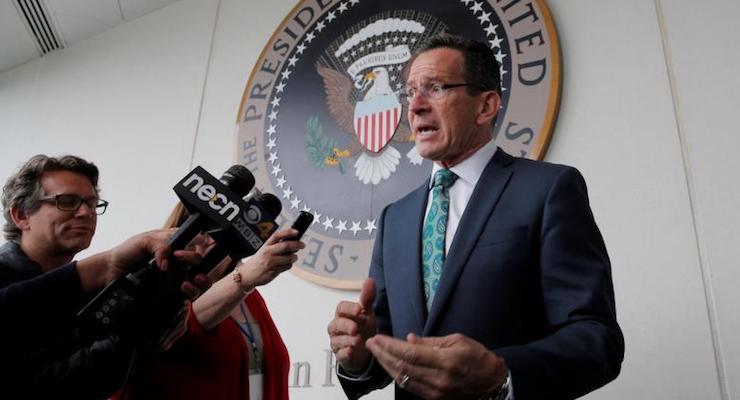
[270, 203]
[239, 179]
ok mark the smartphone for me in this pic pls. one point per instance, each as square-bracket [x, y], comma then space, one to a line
[301, 224]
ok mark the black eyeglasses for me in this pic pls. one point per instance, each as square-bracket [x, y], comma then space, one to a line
[433, 91]
[72, 202]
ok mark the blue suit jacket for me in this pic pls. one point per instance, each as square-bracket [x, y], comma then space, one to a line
[527, 275]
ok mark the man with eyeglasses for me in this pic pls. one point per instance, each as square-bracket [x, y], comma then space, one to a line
[51, 207]
[491, 280]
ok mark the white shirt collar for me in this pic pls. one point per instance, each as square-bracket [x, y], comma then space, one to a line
[471, 168]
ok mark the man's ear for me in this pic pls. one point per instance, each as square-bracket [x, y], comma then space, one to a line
[20, 218]
[489, 107]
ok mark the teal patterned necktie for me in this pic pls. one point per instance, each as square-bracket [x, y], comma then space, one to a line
[433, 235]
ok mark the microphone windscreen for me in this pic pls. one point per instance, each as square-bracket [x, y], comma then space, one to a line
[239, 179]
[270, 203]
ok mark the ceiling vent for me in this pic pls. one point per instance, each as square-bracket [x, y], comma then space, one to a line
[40, 25]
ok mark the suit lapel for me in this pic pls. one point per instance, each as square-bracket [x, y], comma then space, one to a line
[487, 191]
[410, 261]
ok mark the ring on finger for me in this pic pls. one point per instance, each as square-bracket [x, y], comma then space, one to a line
[403, 380]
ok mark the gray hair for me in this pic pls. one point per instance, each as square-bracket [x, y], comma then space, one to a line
[23, 189]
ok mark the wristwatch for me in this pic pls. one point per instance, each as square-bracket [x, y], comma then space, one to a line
[502, 392]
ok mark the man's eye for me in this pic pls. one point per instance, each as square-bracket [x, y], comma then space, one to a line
[67, 201]
[435, 88]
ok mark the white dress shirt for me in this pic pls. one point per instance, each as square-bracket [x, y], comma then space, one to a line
[468, 172]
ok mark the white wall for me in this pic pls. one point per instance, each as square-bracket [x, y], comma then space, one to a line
[704, 57]
[648, 114]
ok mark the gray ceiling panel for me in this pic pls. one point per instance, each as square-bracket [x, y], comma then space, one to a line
[63, 21]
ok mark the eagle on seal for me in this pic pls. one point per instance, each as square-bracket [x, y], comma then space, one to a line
[375, 120]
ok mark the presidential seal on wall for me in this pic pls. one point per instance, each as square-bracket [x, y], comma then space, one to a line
[321, 125]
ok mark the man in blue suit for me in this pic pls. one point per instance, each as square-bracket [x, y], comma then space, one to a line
[491, 280]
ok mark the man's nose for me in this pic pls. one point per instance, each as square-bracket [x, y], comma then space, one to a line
[85, 210]
[418, 103]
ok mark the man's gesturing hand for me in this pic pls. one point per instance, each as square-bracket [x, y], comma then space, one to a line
[448, 367]
[352, 325]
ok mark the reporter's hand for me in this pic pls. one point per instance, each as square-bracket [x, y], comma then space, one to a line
[137, 250]
[200, 282]
[98, 270]
[352, 325]
[276, 256]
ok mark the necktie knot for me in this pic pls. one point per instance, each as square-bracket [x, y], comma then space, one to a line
[444, 178]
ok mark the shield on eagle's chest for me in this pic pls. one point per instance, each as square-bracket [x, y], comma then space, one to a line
[376, 121]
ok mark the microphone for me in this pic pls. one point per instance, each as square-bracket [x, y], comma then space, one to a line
[263, 209]
[271, 206]
[213, 205]
[236, 182]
